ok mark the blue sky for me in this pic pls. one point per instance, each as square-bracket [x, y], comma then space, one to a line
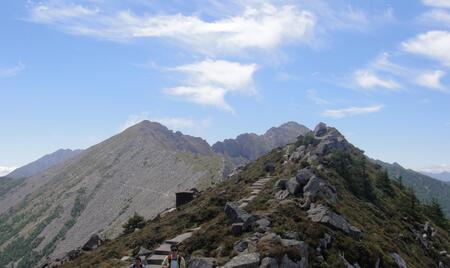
[73, 73]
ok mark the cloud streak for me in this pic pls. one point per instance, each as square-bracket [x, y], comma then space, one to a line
[433, 44]
[6, 170]
[263, 27]
[367, 79]
[351, 111]
[12, 71]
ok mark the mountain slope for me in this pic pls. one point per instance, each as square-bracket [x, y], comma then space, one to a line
[443, 176]
[249, 146]
[138, 170]
[43, 163]
[336, 209]
[425, 187]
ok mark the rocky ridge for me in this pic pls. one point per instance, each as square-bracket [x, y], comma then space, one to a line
[326, 205]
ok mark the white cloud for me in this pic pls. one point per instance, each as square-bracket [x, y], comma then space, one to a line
[173, 123]
[440, 16]
[433, 44]
[437, 168]
[367, 79]
[220, 73]
[437, 3]
[6, 170]
[209, 81]
[203, 95]
[12, 71]
[341, 113]
[263, 27]
[432, 79]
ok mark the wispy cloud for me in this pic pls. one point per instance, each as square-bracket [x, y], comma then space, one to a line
[432, 79]
[12, 71]
[209, 81]
[312, 95]
[436, 16]
[351, 111]
[264, 26]
[437, 3]
[433, 44]
[173, 123]
[367, 79]
[6, 170]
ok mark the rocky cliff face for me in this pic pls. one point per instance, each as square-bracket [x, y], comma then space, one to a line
[43, 163]
[138, 170]
[249, 146]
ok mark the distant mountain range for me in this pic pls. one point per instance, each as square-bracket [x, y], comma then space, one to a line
[425, 187]
[98, 189]
[43, 163]
[249, 146]
[443, 176]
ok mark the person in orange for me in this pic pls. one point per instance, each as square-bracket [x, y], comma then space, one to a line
[174, 260]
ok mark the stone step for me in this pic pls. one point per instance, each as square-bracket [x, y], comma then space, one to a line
[151, 266]
[255, 192]
[156, 259]
[178, 239]
[163, 249]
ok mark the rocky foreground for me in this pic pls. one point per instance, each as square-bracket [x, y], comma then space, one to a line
[323, 204]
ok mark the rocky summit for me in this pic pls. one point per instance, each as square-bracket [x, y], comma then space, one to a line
[78, 204]
[317, 202]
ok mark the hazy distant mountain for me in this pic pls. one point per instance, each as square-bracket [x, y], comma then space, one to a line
[249, 146]
[43, 163]
[443, 176]
[138, 170]
[424, 186]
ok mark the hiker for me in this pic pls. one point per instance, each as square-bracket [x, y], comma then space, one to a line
[137, 264]
[174, 260]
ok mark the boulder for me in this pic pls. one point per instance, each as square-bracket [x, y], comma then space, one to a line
[237, 228]
[288, 263]
[263, 224]
[281, 195]
[347, 264]
[250, 260]
[268, 262]
[197, 262]
[323, 214]
[73, 254]
[94, 241]
[325, 242]
[398, 260]
[293, 186]
[318, 187]
[269, 167]
[303, 176]
[143, 252]
[300, 246]
[320, 130]
[240, 246]
[281, 184]
[238, 215]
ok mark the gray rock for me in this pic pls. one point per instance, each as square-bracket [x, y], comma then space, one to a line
[281, 184]
[320, 130]
[269, 167]
[323, 214]
[144, 252]
[303, 176]
[289, 235]
[268, 262]
[237, 215]
[197, 262]
[250, 260]
[325, 241]
[263, 223]
[300, 246]
[73, 254]
[398, 260]
[240, 246]
[281, 195]
[377, 264]
[94, 241]
[348, 264]
[237, 228]
[288, 263]
[318, 187]
[293, 186]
